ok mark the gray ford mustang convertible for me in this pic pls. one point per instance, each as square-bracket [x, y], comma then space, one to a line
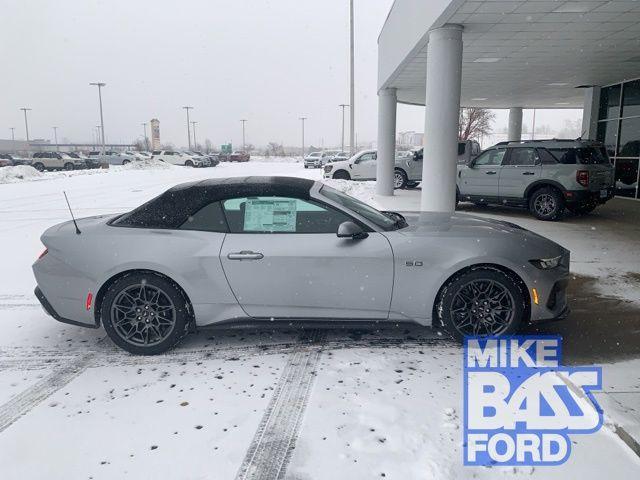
[277, 247]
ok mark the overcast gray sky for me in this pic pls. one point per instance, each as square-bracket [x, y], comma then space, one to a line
[267, 61]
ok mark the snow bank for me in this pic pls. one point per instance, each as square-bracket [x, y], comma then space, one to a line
[364, 191]
[147, 164]
[19, 173]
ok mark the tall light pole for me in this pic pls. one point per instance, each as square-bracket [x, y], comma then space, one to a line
[99, 137]
[100, 85]
[352, 111]
[26, 123]
[343, 105]
[303, 119]
[146, 140]
[55, 137]
[195, 143]
[243, 121]
[188, 125]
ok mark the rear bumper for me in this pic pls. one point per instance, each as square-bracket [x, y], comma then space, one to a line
[51, 311]
[588, 196]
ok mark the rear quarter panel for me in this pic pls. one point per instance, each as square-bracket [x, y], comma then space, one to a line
[78, 264]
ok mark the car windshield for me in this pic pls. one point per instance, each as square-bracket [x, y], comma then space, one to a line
[383, 221]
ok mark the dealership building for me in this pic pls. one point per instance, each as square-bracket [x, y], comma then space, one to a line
[512, 54]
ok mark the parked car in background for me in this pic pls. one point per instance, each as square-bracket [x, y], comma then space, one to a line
[90, 162]
[340, 157]
[11, 159]
[213, 159]
[363, 165]
[545, 176]
[112, 158]
[320, 159]
[42, 161]
[179, 158]
[467, 150]
[237, 156]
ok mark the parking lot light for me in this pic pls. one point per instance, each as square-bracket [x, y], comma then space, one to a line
[100, 85]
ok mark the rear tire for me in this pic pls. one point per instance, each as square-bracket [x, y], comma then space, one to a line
[481, 301]
[68, 166]
[124, 162]
[188, 163]
[342, 175]
[399, 179]
[145, 313]
[546, 203]
[39, 166]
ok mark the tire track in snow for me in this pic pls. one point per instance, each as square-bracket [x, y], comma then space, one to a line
[270, 450]
[22, 403]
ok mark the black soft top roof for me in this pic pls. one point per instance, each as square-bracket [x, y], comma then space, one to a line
[173, 207]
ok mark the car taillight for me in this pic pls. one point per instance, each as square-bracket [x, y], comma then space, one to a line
[44, 252]
[582, 177]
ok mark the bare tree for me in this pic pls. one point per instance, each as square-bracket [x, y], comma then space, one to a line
[474, 123]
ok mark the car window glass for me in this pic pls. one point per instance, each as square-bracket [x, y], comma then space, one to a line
[366, 158]
[490, 157]
[523, 157]
[546, 158]
[566, 156]
[280, 215]
[209, 218]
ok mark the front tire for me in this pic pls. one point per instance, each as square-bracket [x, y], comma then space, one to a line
[39, 166]
[399, 179]
[145, 313]
[124, 162]
[342, 175]
[546, 204]
[68, 166]
[481, 301]
[188, 163]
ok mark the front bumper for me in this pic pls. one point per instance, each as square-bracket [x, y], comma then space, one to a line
[51, 311]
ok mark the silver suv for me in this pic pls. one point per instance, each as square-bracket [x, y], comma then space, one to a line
[545, 176]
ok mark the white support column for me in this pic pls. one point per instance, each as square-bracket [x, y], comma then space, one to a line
[387, 105]
[442, 110]
[515, 124]
[590, 113]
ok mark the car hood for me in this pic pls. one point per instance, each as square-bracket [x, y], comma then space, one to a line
[498, 233]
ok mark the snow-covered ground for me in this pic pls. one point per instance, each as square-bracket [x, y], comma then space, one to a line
[319, 401]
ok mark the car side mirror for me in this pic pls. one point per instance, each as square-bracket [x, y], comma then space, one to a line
[352, 230]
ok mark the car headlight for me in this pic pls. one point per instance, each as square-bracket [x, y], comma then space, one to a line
[328, 168]
[546, 263]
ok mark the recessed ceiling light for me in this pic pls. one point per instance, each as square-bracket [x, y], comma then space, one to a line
[574, 7]
[487, 60]
[558, 84]
[479, 99]
[563, 103]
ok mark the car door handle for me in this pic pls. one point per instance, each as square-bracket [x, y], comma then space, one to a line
[491, 172]
[245, 255]
[528, 173]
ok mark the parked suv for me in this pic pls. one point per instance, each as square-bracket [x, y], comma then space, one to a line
[42, 161]
[320, 159]
[545, 176]
[10, 159]
[179, 158]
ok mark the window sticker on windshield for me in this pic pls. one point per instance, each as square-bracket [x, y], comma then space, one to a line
[270, 215]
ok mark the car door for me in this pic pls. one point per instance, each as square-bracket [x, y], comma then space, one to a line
[521, 167]
[56, 160]
[364, 167]
[480, 177]
[283, 259]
